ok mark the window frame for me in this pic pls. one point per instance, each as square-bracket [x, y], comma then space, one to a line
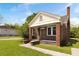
[51, 31]
[41, 18]
[32, 32]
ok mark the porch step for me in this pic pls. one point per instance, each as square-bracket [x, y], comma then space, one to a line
[48, 41]
[34, 40]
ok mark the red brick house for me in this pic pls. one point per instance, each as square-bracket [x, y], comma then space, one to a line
[50, 27]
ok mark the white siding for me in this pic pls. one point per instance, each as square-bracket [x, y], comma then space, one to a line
[4, 31]
[45, 20]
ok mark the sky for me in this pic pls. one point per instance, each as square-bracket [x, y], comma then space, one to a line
[13, 13]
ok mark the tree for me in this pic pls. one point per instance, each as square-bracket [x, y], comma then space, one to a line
[29, 18]
[77, 34]
[74, 32]
[24, 28]
[16, 27]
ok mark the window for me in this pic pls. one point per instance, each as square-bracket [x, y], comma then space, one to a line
[54, 30]
[41, 18]
[51, 31]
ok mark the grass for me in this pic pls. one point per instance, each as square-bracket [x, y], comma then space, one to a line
[1, 37]
[76, 45]
[12, 48]
[75, 42]
[64, 49]
[55, 48]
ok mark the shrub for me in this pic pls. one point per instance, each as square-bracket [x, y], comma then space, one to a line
[74, 32]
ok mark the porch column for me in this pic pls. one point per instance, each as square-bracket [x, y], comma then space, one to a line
[37, 33]
[30, 33]
[58, 34]
[40, 33]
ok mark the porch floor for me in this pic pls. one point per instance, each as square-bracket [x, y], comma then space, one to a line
[45, 41]
[48, 41]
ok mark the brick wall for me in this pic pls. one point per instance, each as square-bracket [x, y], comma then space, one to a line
[58, 34]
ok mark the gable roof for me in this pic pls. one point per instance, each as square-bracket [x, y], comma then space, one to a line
[45, 13]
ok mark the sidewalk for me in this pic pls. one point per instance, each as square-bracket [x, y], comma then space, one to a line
[75, 51]
[10, 38]
[46, 51]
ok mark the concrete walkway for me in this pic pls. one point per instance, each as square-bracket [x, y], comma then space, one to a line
[75, 51]
[10, 38]
[46, 51]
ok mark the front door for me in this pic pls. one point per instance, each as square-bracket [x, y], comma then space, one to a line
[42, 33]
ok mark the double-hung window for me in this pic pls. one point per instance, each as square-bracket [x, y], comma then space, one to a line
[51, 31]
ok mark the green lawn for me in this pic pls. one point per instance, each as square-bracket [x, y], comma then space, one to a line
[65, 49]
[55, 48]
[76, 45]
[12, 48]
[3, 37]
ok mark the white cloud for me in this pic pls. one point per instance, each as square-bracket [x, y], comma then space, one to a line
[76, 11]
[75, 21]
[69, 4]
[13, 9]
[22, 8]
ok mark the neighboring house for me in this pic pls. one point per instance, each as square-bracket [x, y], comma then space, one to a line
[7, 31]
[50, 27]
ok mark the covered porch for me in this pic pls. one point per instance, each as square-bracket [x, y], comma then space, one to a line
[47, 33]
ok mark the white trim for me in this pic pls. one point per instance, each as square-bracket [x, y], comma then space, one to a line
[32, 32]
[45, 13]
[47, 31]
[51, 30]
